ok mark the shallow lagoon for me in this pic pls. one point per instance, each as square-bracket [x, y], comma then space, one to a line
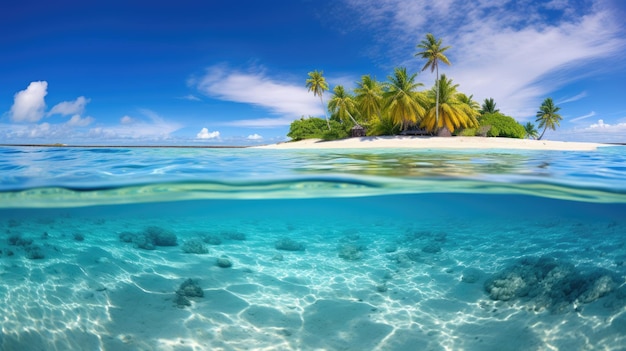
[335, 250]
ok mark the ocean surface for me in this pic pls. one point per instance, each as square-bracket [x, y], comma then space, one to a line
[254, 249]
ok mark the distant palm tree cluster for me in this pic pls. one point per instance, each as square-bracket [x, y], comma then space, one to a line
[397, 105]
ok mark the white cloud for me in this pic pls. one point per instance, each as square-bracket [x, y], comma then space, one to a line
[191, 97]
[157, 128]
[572, 98]
[599, 132]
[127, 120]
[590, 114]
[505, 50]
[206, 134]
[255, 137]
[601, 125]
[78, 121]
[29, 104]
[281, 98]
[260, 122]
[66, 108]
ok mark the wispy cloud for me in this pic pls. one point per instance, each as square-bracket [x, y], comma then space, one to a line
[506, 50]
[133, 128]
[190, 97]
[260, 122]
[67, 108]
[255, 137]
[29, 104]
[572, 98]
[256, 88]
[78, 121]
[589, 115]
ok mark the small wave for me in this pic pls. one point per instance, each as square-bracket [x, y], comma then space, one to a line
[296, 188]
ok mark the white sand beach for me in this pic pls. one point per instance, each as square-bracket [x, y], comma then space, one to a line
[413, 142]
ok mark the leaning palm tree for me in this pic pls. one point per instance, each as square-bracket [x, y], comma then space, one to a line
[402, 100]
[433, 53]
[342, 103]
[317, 84]
[489, 106]
[547, 116]
[530, 130]
[369, 97]
[453, 112]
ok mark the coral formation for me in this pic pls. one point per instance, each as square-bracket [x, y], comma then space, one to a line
[545, 283]
[224, 262]
[287, 244]
[18, 240]
[34, 252]
[194, 246]
[189, 288]
[350, 252]
[150, 238]
[212, 240]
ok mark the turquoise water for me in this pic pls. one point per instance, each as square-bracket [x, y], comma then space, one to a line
[312, 250]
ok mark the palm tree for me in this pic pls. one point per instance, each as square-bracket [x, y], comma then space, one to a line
[402, 101]
[369, 97]
[489, 106]
[454, 110]
[317, 84]
[530, 130]
[342, 103]
[547, 116]
[433, 53]
[468, 101]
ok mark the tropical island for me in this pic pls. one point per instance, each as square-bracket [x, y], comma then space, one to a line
[397, 106]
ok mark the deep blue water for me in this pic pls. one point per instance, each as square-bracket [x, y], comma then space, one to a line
[331, 249]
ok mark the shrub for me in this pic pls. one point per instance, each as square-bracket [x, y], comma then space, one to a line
[502, 125]
[384, 126]
[493, 132]
[307, 128]
[466, 132]
[316, 128]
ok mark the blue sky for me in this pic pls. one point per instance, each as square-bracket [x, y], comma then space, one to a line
[233, 72]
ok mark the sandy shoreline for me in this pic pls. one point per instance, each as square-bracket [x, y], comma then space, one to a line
[436, 143]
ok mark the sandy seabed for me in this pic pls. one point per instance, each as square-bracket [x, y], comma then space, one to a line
[390, 283]
[412, 142]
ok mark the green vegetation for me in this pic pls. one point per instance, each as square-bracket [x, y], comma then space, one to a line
[317, 128]
[451, 112]
[530, 130]
[402, 100]
[433, 53]
[317, 84]
[489, 106]
[502, 126]
[547, 116]
[342, 105]
[397, 104]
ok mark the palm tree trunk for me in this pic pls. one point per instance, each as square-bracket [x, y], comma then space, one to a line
[353, 120]
[437, 101]
[544, 130]
[325, 114]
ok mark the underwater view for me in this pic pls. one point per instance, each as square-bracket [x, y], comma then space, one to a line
[253, 249]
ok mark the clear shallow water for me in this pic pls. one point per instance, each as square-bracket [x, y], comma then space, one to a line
[396, 250]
